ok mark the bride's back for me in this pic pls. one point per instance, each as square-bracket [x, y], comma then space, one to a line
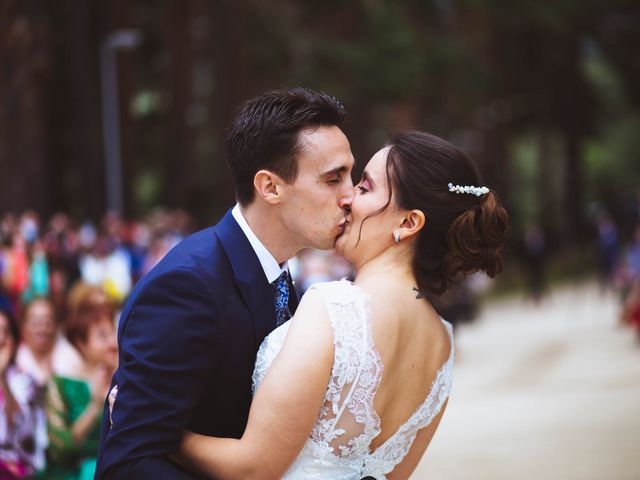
[381, 404]
[413, 345]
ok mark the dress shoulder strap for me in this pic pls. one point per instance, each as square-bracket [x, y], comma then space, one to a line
[348, 422]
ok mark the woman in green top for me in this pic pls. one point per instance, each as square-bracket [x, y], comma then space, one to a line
[74, 406]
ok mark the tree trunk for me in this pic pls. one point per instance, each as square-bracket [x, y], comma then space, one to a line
[24, 72]
[180, 139]
[74, 114]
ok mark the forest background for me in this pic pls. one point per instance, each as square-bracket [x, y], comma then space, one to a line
[544, 95]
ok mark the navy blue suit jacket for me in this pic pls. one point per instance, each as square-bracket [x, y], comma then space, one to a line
[188, 338]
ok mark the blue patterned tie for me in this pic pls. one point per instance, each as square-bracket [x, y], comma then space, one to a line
[281, 298]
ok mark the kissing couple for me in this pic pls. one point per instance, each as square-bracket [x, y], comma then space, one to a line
[222, 374]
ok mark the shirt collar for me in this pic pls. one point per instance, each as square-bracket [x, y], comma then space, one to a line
[272, 269]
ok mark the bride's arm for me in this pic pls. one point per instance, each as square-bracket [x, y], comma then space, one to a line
[284, 409]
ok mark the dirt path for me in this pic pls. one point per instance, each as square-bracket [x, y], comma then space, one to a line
[548, 392]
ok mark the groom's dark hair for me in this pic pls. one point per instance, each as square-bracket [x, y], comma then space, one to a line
[265, 134]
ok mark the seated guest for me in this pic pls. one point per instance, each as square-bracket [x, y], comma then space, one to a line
[23, 435]
[74, 406]
[84, 296]
[43, 351]
[5, 301]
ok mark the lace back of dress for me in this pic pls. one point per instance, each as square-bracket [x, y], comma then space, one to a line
[347, 422]
[398, 445]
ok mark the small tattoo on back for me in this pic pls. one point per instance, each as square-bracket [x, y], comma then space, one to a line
[420, 294]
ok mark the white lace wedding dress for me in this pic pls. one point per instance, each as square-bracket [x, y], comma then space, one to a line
[339, 445]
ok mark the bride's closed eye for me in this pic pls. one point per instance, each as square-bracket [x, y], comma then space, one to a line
[365, 185]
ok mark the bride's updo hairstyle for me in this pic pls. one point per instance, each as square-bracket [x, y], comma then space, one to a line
[463, 233]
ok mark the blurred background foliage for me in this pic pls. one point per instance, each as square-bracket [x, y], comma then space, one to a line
[545, 96]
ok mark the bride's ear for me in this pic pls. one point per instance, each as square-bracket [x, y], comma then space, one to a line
[268, 186]
[412, 223]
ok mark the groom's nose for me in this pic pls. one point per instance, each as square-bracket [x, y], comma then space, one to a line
[346, 195]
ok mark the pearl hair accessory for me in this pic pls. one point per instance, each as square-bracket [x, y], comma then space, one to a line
[477, 191]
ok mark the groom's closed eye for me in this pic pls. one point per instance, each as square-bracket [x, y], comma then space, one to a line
[335, 176]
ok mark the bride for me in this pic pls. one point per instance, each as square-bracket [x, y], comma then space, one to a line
[355, 384]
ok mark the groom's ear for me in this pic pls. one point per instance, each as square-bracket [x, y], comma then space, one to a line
[268, 186]
[412, 223]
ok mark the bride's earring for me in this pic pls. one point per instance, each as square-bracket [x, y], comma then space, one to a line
[396, 236]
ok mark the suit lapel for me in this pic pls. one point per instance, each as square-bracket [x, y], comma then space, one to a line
[256, 292]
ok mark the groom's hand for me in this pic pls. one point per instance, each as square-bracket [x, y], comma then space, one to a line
[112, 401]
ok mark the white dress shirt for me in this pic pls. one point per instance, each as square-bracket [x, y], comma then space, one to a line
[272, 269]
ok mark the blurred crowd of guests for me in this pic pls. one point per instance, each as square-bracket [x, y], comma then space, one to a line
[615, 250]
[626, 276]
[62, 284]
[619, 266]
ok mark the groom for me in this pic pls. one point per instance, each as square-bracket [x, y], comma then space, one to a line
[189, 332]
